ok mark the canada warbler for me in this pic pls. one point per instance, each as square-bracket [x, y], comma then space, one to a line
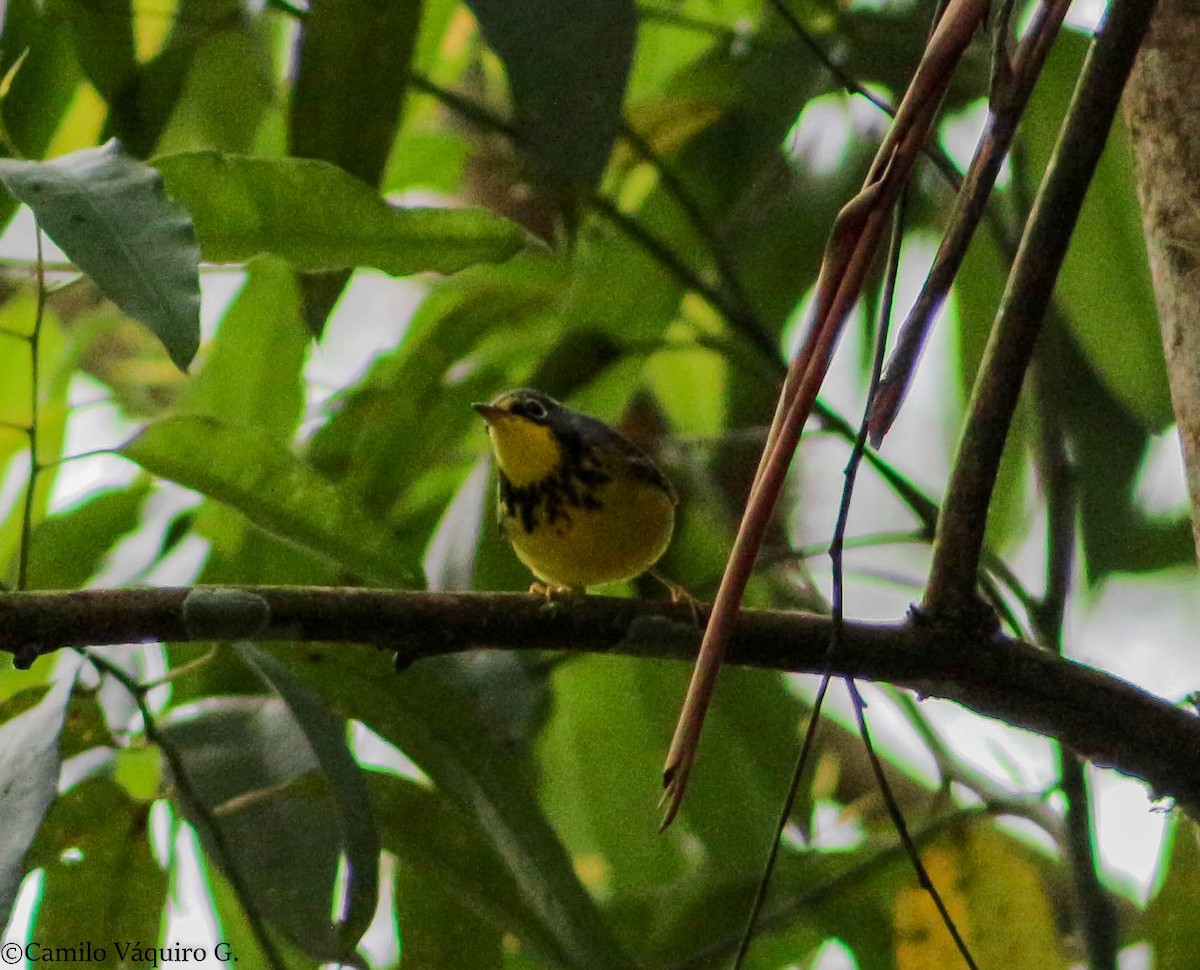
[580, 503]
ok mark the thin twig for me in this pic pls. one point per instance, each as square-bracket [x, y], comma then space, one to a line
[1096, 912]
[835, 555]
[910, 847]
[674, 18]
[959, 542]
[739, 317]
[472, 111]
[936, 154]
[836, 548]
[745, 321]
[833, 887]
[997, 799]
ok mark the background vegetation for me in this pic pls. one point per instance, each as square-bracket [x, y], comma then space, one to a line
[624, 205]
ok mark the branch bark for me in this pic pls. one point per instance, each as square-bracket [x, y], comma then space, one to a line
[1107, 720]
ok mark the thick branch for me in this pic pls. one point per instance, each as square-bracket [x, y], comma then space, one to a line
[959, 541]
[1103, 718]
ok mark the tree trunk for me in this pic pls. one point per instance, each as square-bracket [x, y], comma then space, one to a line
[1162, 107]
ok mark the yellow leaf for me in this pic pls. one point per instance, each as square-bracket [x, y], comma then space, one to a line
[989, 885]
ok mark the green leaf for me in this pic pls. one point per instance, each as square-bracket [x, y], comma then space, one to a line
[1169, 923]
[235, 929]
[102, 881]
[440, 928]
[141, 110]
[43, 85]
[978, 289]
[325, 735]
[228, 88]
[29, 765]
[258, 780]
[275, 490]
[253, 375]
[351, 70]
[600, 758]
[567, 65]
[1105, 285]
[103, 38]
[433, 835]
[107, 212]
[69, 548]
[318, 217]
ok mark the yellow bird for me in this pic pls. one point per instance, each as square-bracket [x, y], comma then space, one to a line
[581, 503]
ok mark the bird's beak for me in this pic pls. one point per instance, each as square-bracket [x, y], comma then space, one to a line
[491, 414]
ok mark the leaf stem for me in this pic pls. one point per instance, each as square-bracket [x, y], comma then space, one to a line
[32, 431]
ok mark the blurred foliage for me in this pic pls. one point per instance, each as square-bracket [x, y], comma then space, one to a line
[624, 205]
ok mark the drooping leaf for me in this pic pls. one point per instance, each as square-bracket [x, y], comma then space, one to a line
[431, 834]
[29, 765]
[257, 779]
[242, 941]
[275, 490]
[252, 376]
[232, 65]
[1109, 445]
[141, 109]
[320, 218]
[107, 212]
[325, 736]
[567, 65]
[429, 715]
[43, 84]
[103, 40]
[352, 68]
[440, 929]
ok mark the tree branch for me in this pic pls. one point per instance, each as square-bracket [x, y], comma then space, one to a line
[1105, 719]
[959, 541]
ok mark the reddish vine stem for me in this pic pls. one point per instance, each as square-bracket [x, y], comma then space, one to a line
[1009, 99]
[853, 244]
[836, 549]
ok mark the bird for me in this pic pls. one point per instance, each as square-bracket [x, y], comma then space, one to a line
[580, 503]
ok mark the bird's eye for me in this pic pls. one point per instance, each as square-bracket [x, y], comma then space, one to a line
[534, 409]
